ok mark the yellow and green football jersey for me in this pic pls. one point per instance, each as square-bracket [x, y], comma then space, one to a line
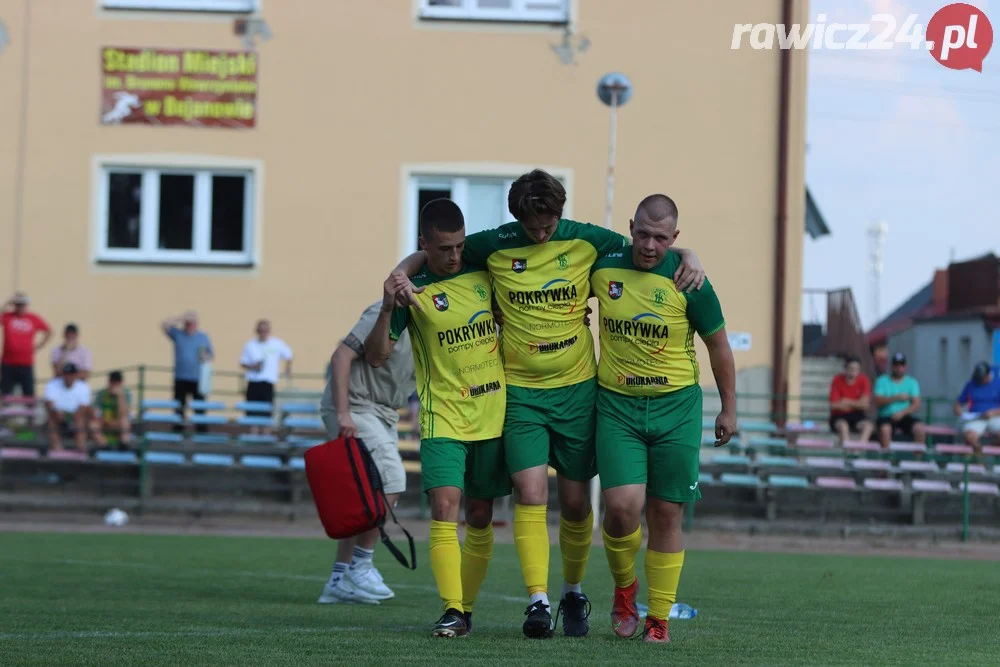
[542, 289]
[460, 377]
[647, 325]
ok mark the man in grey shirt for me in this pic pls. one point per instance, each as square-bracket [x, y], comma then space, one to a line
[192, 348]
[363, 402]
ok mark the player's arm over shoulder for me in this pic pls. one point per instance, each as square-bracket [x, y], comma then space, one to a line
[389, 326]
[704, 310]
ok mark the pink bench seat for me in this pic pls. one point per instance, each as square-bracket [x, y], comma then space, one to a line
[937, 429]
[932, 486]
[959, 450]
[845, 483]
[871, 464]
[67, 455]
[859, 446]
[910, 447]
[974, 468]
[814, 443]
[919, 466]
[986, 488]
[825, 462]
[991, 450]
[883, 484]
[18, 453]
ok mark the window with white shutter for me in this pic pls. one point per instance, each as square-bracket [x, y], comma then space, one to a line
[516, 11]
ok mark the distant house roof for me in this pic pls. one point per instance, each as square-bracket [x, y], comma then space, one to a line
[920, 303]
[815, 224]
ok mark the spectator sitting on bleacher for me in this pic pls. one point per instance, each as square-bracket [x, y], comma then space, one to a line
[897, 397]
[979, 405]
[850, 400]
[192, 348]
[17, 367]
[71, 352]
[111, 411]
[67, 401]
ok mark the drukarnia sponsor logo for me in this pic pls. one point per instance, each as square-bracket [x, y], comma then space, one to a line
[481, 330]
[643, 381]
[545, 348]
[478, 390]
[647, 329]
[558, 294]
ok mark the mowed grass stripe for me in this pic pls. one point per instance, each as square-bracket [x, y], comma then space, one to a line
[154, 599]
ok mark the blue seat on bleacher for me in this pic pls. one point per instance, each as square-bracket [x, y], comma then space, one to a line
[732, 479]
[788, 481]
[261, 461]
[752, 426]
[253, 406]
[768, 442]
[731, 459]
[161, 418]
[160, 436]
[209, 420]
[160, 404]
[167, 458]
[116, 457]
[256, 439]
[783, 461]
[310, 423]
[709, 441]
[705, 478]
[210, 438]
[304, 440]
[300, 408]
[297, 463]
[255, 421]
[707, 424]
[212, 459]
[207, 405]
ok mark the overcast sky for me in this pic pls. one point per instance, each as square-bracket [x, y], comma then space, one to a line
[895, 136]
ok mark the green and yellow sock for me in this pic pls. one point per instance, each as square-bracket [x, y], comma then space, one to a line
[621, 552]
[575, 538]
[446, 562]
[476, 554]
[531, 537]
[663, 572]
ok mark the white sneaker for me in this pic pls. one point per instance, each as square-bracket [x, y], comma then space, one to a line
[344, 592]
[368, 579]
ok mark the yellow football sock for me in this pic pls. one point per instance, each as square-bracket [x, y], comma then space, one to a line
[531, 537]
[621, 553]
[446, 562]
[663, 571]
[476, 554]
[574, 543]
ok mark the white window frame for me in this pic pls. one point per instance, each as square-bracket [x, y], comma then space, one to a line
[456, 176]
[216, 6]
[518, 13]
[201, 253]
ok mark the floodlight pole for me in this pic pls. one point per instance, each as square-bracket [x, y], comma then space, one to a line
[613, 90]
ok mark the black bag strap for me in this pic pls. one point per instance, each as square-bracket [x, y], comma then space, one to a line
[393, 549]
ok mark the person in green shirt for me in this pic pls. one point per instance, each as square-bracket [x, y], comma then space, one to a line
[897, 397]
[539, 267]
[649, 409]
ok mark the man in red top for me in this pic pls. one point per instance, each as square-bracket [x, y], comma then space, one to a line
[850, 400]
[17, 367]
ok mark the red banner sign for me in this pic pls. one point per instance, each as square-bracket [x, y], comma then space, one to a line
[187, 87]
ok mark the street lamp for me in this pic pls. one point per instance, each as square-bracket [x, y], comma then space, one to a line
[614, 90]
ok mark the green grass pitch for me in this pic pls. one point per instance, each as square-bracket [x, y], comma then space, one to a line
[103, 599]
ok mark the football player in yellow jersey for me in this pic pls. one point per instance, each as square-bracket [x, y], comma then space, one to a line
[460, 381]
[649, 409]
[540, 268]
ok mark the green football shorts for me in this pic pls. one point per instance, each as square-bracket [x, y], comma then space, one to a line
[475, 467]
[554, 427]
[652, 440]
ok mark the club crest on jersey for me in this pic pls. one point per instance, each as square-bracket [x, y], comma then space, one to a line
[481, 292]
[562, 261]
[519, 265]
[616, 289]
[659, 296]
[440, 301]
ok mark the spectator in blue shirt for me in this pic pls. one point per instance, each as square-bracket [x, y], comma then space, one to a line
[192, 348]
[979, 405]
[897, 397]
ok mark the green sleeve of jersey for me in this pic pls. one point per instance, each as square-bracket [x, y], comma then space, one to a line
[478, 248]
[704, 310]
[398, 323]
[603, 240]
